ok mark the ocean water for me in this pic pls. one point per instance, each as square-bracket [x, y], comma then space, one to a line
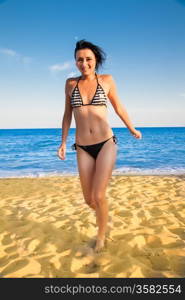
[33, 152]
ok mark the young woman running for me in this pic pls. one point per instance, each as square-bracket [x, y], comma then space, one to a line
[95, 142]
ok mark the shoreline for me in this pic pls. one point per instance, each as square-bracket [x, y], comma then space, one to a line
[77, 175]
[47, 230]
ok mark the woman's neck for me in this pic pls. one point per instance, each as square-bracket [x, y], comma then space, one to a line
[89, 77]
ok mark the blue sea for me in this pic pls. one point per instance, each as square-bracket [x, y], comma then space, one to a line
[33, 152]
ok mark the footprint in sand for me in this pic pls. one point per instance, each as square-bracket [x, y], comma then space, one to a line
[85, 250]
[83, 261]
[14, 266]
[6, 239]
[177, 264]
[159, 262]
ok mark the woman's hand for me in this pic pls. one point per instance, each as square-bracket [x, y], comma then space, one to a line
[62, 151]
[136, 133]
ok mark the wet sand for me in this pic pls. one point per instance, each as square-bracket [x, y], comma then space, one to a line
[46, 229]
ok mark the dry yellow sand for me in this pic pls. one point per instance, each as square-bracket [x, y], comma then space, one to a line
[46, 229]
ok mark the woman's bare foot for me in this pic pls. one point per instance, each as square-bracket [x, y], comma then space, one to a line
[99, 245]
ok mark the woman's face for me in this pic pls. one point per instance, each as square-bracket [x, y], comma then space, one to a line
[85, 61]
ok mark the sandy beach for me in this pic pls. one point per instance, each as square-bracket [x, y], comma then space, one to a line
[46, 229]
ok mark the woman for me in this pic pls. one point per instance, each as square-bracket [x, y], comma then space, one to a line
[87, 97]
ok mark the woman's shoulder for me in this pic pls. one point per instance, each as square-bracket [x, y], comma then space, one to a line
[105, 78]
[72, 80]
[71, 83]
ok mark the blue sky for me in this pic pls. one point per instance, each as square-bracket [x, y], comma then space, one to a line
[145, 45]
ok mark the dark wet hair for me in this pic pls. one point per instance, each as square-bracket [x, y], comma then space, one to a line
[98, 52]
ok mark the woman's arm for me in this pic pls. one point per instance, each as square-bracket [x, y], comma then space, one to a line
[67, 117]
[119, 108]
[66, 122]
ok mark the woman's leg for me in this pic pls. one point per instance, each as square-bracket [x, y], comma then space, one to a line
[86, 168]
[104, 165]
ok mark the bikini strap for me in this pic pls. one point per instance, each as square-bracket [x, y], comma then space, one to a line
[97, 78]
[98, 84]
[73, 147]
[115, 139]
[76, 86]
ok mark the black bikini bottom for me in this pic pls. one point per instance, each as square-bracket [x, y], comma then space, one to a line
[94, 149]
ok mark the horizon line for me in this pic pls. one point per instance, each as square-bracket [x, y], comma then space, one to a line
[169, 126]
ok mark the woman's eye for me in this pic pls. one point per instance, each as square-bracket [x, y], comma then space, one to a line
[81, 60]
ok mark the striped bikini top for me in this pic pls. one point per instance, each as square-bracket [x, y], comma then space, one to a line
[98, 99]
